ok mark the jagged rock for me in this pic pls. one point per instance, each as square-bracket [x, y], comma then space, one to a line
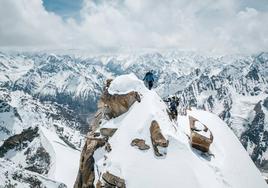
[158, 140]
[19, 141]
[140, 143]
[115, 105]
[199, 141]
[107, 131]
[86, 175]
[113, 180]
[256, 135]
[39, 161]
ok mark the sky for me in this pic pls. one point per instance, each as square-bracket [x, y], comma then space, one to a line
[64, 8]
[215, 26]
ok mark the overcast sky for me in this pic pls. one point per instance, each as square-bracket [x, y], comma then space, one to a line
[220, 26]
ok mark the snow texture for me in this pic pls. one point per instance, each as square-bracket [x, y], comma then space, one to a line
[125, 84]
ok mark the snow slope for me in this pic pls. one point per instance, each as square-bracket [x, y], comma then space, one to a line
[65, 159]
[182, 166]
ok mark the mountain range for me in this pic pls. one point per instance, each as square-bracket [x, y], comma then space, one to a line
[48, 100]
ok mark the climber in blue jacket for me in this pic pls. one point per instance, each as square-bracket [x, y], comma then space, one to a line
[149, 79]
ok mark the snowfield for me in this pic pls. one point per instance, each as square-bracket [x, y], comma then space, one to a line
[228, 165]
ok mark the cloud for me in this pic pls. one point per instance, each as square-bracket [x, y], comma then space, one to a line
[220, 26]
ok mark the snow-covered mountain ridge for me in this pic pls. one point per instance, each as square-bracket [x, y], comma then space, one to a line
[113, 160]
[60, 92]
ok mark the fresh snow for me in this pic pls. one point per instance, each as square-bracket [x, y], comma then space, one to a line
[228, 166]
[65, 160]
[125, 84]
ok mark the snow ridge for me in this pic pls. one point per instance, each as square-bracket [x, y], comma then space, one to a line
[183, 166]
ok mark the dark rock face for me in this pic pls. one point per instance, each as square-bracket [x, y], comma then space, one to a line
[140, 143]
[86, 175]
[257, 135]
[39, 161]
[19, 141]
[158, 140]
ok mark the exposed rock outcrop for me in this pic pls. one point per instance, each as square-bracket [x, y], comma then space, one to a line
[111, 180]
[115, 105]
[256, 136]
[86, 175]
[19, 141]
[198, 140]
[107, 132]
[158, 140]
[140, 143]
[110, 106]
[38, 161]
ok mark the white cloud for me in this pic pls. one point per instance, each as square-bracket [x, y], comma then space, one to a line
[204, 25]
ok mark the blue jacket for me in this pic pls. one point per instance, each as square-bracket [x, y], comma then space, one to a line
[149, 77]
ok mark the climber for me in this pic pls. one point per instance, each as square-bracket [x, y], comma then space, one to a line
[149, 79]
[173, 104]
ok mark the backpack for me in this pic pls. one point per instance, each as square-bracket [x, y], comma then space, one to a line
[149, 77]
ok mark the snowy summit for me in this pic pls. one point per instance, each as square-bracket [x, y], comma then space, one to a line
[226, 164]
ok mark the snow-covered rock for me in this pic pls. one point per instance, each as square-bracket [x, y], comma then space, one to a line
[126, 84]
